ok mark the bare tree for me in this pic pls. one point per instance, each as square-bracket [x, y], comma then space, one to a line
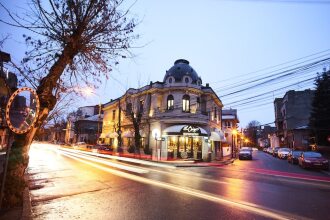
[72, 42]
[251, 131]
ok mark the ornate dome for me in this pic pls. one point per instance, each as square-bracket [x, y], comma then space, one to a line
[182, 72]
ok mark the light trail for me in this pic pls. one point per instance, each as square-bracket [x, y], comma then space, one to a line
[249, 207]
[108, 163]
[132, 160]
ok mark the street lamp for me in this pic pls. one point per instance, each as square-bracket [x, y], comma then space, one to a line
[89, 91]
[155, 134]
[233, 145]
[246, 142]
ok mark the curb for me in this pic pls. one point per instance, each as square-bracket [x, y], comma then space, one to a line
[26, 212]
[205, 164]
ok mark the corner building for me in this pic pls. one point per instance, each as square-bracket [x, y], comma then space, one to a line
[181, 118]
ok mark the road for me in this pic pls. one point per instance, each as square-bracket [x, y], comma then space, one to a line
[66, 184]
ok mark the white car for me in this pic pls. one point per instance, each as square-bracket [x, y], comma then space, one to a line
[283, 153]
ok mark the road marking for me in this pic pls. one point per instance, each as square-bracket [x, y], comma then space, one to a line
[325, 172]
[250, 207]
[284, 174]
[116, 165]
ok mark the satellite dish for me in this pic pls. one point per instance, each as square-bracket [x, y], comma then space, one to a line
[22, 110]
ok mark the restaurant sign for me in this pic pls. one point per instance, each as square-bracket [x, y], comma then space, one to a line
[190, 130]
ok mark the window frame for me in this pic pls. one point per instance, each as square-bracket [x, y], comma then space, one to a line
[186, 103]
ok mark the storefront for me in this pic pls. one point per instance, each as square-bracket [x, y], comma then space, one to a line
[185, 141]
[216, 138]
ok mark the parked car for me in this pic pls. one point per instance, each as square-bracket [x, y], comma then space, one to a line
[293, 156]
[246, 148]
[104, 149]
[79, 145]
[275, 151]
[270, 150]
[283, 153]
[245, 154]
[265, 149]
[312, 159]
[255, 149]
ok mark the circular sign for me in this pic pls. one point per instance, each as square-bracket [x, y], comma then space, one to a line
[22, 110]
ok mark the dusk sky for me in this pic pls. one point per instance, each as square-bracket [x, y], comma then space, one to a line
[224, 41]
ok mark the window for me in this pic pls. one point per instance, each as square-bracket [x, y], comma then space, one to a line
[186, 79]
[186, 103]
[215, 113]
[113, 114]
[198, 102]
[227, 124]
[141, 105]
[170, 102]
[170, 80]
[128, 108]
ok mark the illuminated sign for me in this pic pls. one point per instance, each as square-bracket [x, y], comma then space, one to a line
[191, 130]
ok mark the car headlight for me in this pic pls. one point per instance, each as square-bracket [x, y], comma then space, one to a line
[307, 161]
[326, 161]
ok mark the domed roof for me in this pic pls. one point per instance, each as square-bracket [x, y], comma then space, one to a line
[180, 69]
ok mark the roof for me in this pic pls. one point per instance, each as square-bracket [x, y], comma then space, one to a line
[228, 117]
[92, 118]
[180, 69]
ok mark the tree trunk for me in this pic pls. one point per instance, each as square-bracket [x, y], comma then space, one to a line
[19, 158]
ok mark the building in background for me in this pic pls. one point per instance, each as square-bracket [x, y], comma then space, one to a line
[264, 135]
[180, 118]
[229, 126]
[84, 125]
[292, 117]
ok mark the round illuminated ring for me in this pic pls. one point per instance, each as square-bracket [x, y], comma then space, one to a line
[11, 99]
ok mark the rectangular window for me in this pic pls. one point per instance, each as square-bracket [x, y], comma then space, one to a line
[113, 115]
[170, 104]
[215, 113]
[141, 105]
[185, 105]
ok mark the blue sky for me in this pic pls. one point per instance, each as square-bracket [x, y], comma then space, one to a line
[223, 40]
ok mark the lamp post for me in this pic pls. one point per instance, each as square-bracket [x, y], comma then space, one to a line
[155, 133]
[88, 91]
[233, 145]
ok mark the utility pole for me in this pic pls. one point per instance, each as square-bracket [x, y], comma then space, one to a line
[119, 125]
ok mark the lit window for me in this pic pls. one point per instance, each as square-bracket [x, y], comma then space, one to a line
[170, 102]
[186, 103]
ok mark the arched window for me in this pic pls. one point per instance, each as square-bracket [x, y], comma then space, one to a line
[186, 103]
[170, 102]
[186, 79]
[170, 80]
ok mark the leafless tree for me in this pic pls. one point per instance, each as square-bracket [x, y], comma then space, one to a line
[72, 42]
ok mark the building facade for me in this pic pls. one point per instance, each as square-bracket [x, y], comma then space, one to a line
[292, 114]
[180, 118]
[229, 126]
[84, 125]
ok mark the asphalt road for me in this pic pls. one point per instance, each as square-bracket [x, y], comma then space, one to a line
[71, 185]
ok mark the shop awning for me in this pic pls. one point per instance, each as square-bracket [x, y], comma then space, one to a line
[112, 135]
[187, 130]
[127, 134]
[218, 135]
